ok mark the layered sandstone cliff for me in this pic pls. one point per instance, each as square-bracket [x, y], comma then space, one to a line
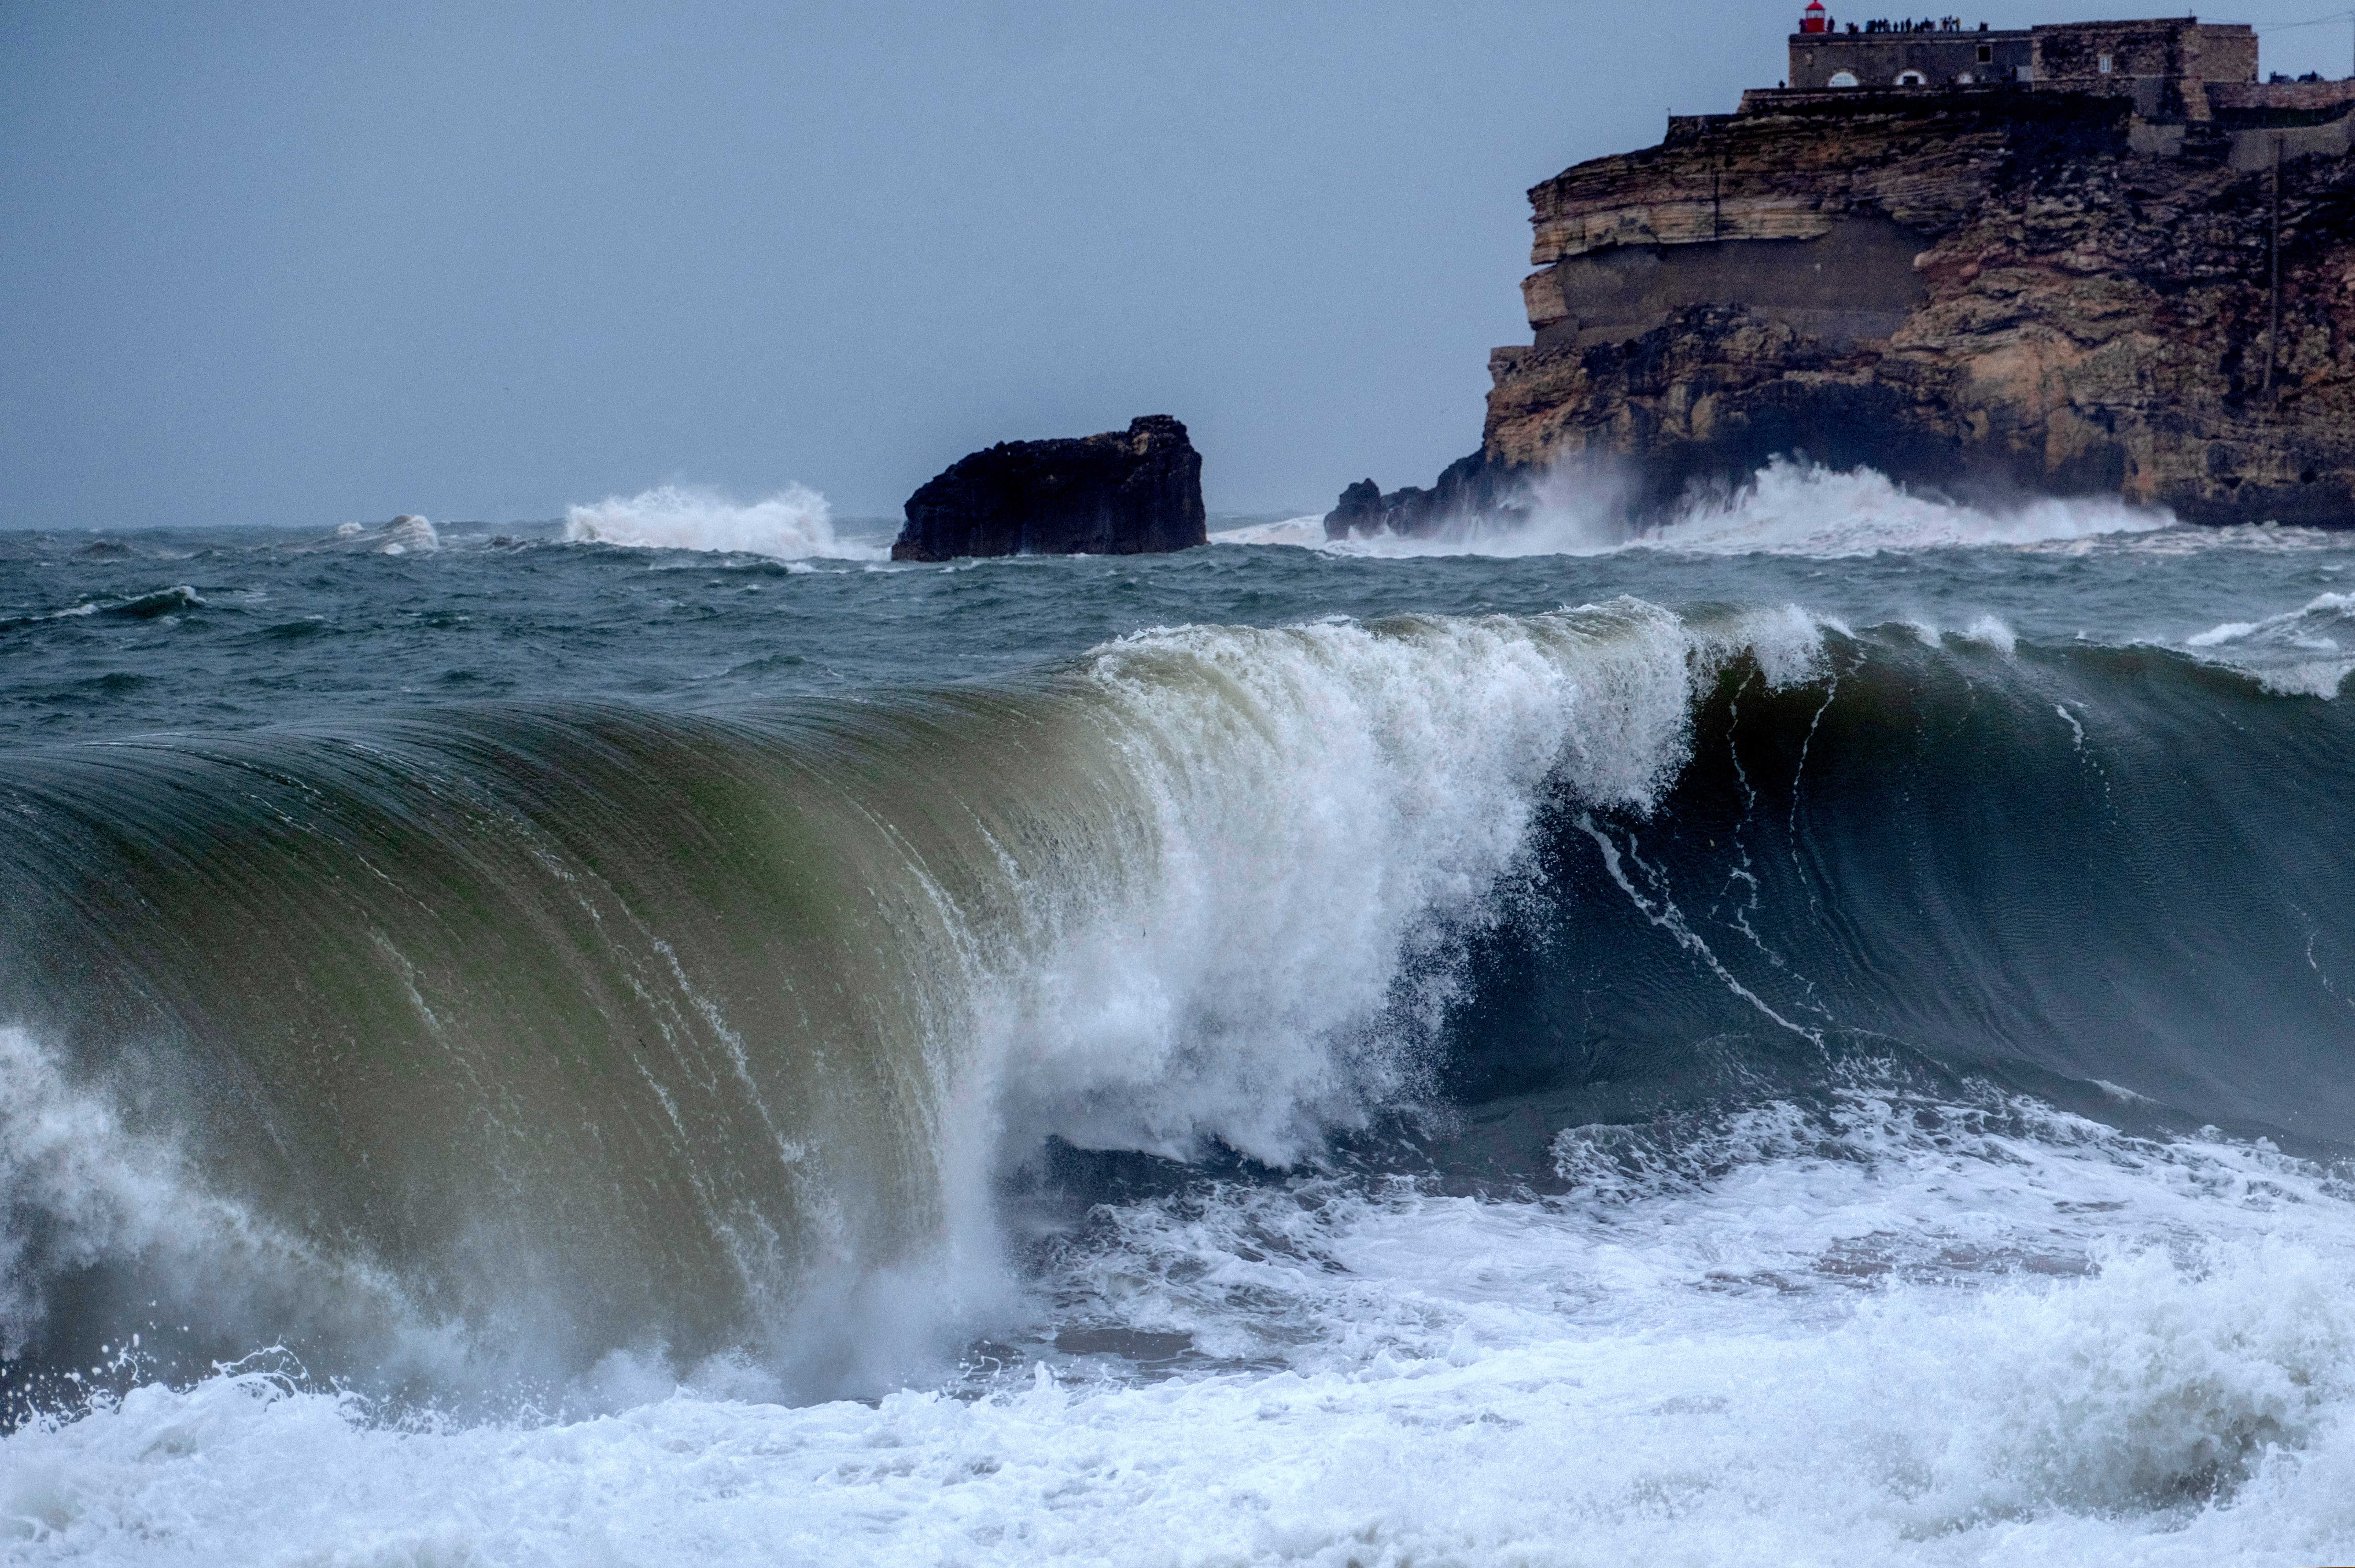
[1973, 289]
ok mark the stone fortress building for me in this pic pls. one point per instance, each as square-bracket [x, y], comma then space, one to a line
[2173, 70]
[2164, 65]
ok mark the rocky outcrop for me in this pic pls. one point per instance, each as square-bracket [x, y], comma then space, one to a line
[1123, 493]
[1977, 289]
[1466, 488]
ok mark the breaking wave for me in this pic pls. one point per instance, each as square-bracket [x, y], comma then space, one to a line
[817, 975]
[796, 524]
[162, 603]
[1787, 509]
[405, 535]
[2307, 651]
[1510, 1074]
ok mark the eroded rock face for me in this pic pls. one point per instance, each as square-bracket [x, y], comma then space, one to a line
[1122, 493]
[1977, 290]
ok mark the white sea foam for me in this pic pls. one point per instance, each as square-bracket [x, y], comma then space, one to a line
[1991, 632]
[75, 1185]
[795, 524]
[1307, 532]
[1774, 1216]
[1791, 509]
[2249, 539]
[82, 1188]
[1927, 1347]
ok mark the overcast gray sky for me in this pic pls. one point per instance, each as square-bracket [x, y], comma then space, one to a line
[300, 263]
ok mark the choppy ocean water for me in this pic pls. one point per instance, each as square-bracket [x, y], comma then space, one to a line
[1822, 1034]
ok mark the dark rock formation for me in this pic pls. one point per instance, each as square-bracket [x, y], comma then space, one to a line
[1980, 289]
[1360, 510]
[1118, 493]
[1467, 488]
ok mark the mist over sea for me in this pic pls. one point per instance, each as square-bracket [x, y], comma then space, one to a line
[1819, 1032]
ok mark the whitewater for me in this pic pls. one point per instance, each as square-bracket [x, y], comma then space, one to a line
[1816, 1032]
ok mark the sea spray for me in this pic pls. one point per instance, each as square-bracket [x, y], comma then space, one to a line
[795, 524]
[1788, 507]
[1797, 508]
[1323, 805]
[93, 1206]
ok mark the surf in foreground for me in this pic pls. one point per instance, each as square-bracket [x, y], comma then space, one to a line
[1567, 1084]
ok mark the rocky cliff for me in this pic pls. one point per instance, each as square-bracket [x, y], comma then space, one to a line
[1977, 289]
[1122, 493]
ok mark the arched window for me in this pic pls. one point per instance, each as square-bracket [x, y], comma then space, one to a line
[1911, 78]
[1843, 79]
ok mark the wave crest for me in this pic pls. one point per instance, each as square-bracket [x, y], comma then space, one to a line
[2303, 653]
[795, 524]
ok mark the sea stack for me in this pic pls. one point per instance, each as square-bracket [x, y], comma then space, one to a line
[1132, 492]
[2096, 259]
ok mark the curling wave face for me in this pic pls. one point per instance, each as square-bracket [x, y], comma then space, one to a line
[813, 977]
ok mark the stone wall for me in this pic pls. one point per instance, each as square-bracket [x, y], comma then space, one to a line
[2162, 65]
[2280, 102]
[2258, 149]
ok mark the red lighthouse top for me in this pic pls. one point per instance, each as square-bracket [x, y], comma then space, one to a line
[1815, 20]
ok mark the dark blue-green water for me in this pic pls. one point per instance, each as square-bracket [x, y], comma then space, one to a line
[232, 628]
[1825, 1033]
